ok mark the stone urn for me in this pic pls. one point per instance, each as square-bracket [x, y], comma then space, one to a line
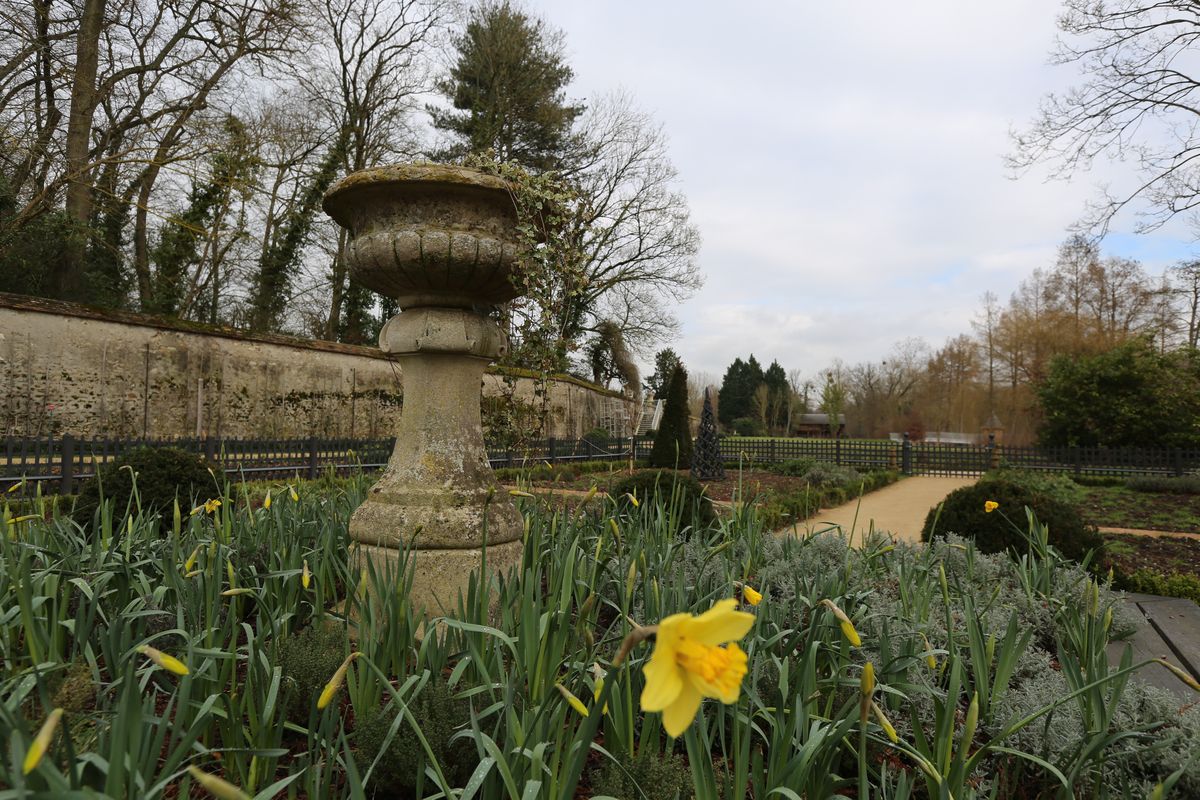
[442, 241]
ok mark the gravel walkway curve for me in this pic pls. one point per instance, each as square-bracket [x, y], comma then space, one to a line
[899, 509]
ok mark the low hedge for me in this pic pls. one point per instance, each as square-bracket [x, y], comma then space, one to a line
[964, 512]
[1165, 484]
[1148, 581]
[158, 475]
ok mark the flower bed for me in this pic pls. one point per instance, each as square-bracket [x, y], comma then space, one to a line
[207, 650]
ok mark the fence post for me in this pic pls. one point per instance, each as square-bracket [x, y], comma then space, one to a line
[906, 455]
[771, 452]
[993, 452]
[837, 449]
[312, 458]
[1177, 462]
[210, 448]
[550, 449]
[67, 465]
[1075, 459]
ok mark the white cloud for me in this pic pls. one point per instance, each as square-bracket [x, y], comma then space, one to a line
[844, 162]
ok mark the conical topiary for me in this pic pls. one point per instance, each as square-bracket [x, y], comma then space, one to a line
[673, 442]
[706, 461]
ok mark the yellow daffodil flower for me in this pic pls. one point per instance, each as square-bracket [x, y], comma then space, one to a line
[41, 742]
[211, 506]
[990, 506]
[216, 786]
[292, 494]
[267, 501]
[236, 592]
[690, 663]
[633, 500]
[519, 493]
[191, 560]
[305, 575]
[335, 683]
[750, 595]
[169, 663]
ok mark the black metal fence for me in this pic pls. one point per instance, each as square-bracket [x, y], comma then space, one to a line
[66, 460]
[932, 458]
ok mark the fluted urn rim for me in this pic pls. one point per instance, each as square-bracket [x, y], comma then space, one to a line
[412, 175]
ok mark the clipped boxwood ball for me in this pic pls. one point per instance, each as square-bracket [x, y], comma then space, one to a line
[163, 473]
[963, 512]
[667, 486]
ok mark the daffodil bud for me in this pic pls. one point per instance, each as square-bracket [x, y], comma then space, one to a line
[885, 723]
[41, 742]
[971, 722]
[573, 701]
[216, 786]
[169, 663]
[335, 683]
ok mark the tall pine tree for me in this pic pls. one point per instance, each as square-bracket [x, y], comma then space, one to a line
[507, 89]
[673, 443]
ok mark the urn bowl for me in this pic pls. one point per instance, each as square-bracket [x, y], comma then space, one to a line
[428, 235]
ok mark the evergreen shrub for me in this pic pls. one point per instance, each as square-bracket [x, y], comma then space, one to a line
[440, 716]
[306, 661]
[160, 474]
[673, 442]
[962, 512]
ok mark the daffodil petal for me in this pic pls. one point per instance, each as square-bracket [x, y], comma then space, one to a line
[720, 624]
[664, 680]
[679, 715]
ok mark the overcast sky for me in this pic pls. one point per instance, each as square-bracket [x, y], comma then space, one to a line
[844, 162]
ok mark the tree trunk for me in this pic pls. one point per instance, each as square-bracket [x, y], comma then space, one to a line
[66, 275]
[338, 289]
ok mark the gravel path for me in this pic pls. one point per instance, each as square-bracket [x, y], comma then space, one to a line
[899, 509]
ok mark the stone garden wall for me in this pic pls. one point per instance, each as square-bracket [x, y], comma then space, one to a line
[74, 369]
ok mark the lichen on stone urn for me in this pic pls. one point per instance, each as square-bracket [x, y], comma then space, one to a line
[429, 235]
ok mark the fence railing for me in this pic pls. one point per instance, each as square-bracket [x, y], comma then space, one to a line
[931, 458]
[66, 460]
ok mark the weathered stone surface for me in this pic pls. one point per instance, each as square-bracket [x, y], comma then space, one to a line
[73, 369]
[428, 235]
[442, 241]
[439, 576]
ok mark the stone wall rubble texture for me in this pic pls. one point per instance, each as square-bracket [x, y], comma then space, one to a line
[78, 370]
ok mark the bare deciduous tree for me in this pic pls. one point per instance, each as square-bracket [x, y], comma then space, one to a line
[1138, 101]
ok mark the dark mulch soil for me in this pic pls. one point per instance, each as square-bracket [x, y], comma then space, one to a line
[1118, 507]
[749, 484]
[1163, 554]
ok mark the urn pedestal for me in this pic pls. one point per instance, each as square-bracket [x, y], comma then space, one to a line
[442, 242]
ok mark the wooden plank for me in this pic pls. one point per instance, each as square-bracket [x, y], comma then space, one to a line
[1178, 623]
[1147, 643]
